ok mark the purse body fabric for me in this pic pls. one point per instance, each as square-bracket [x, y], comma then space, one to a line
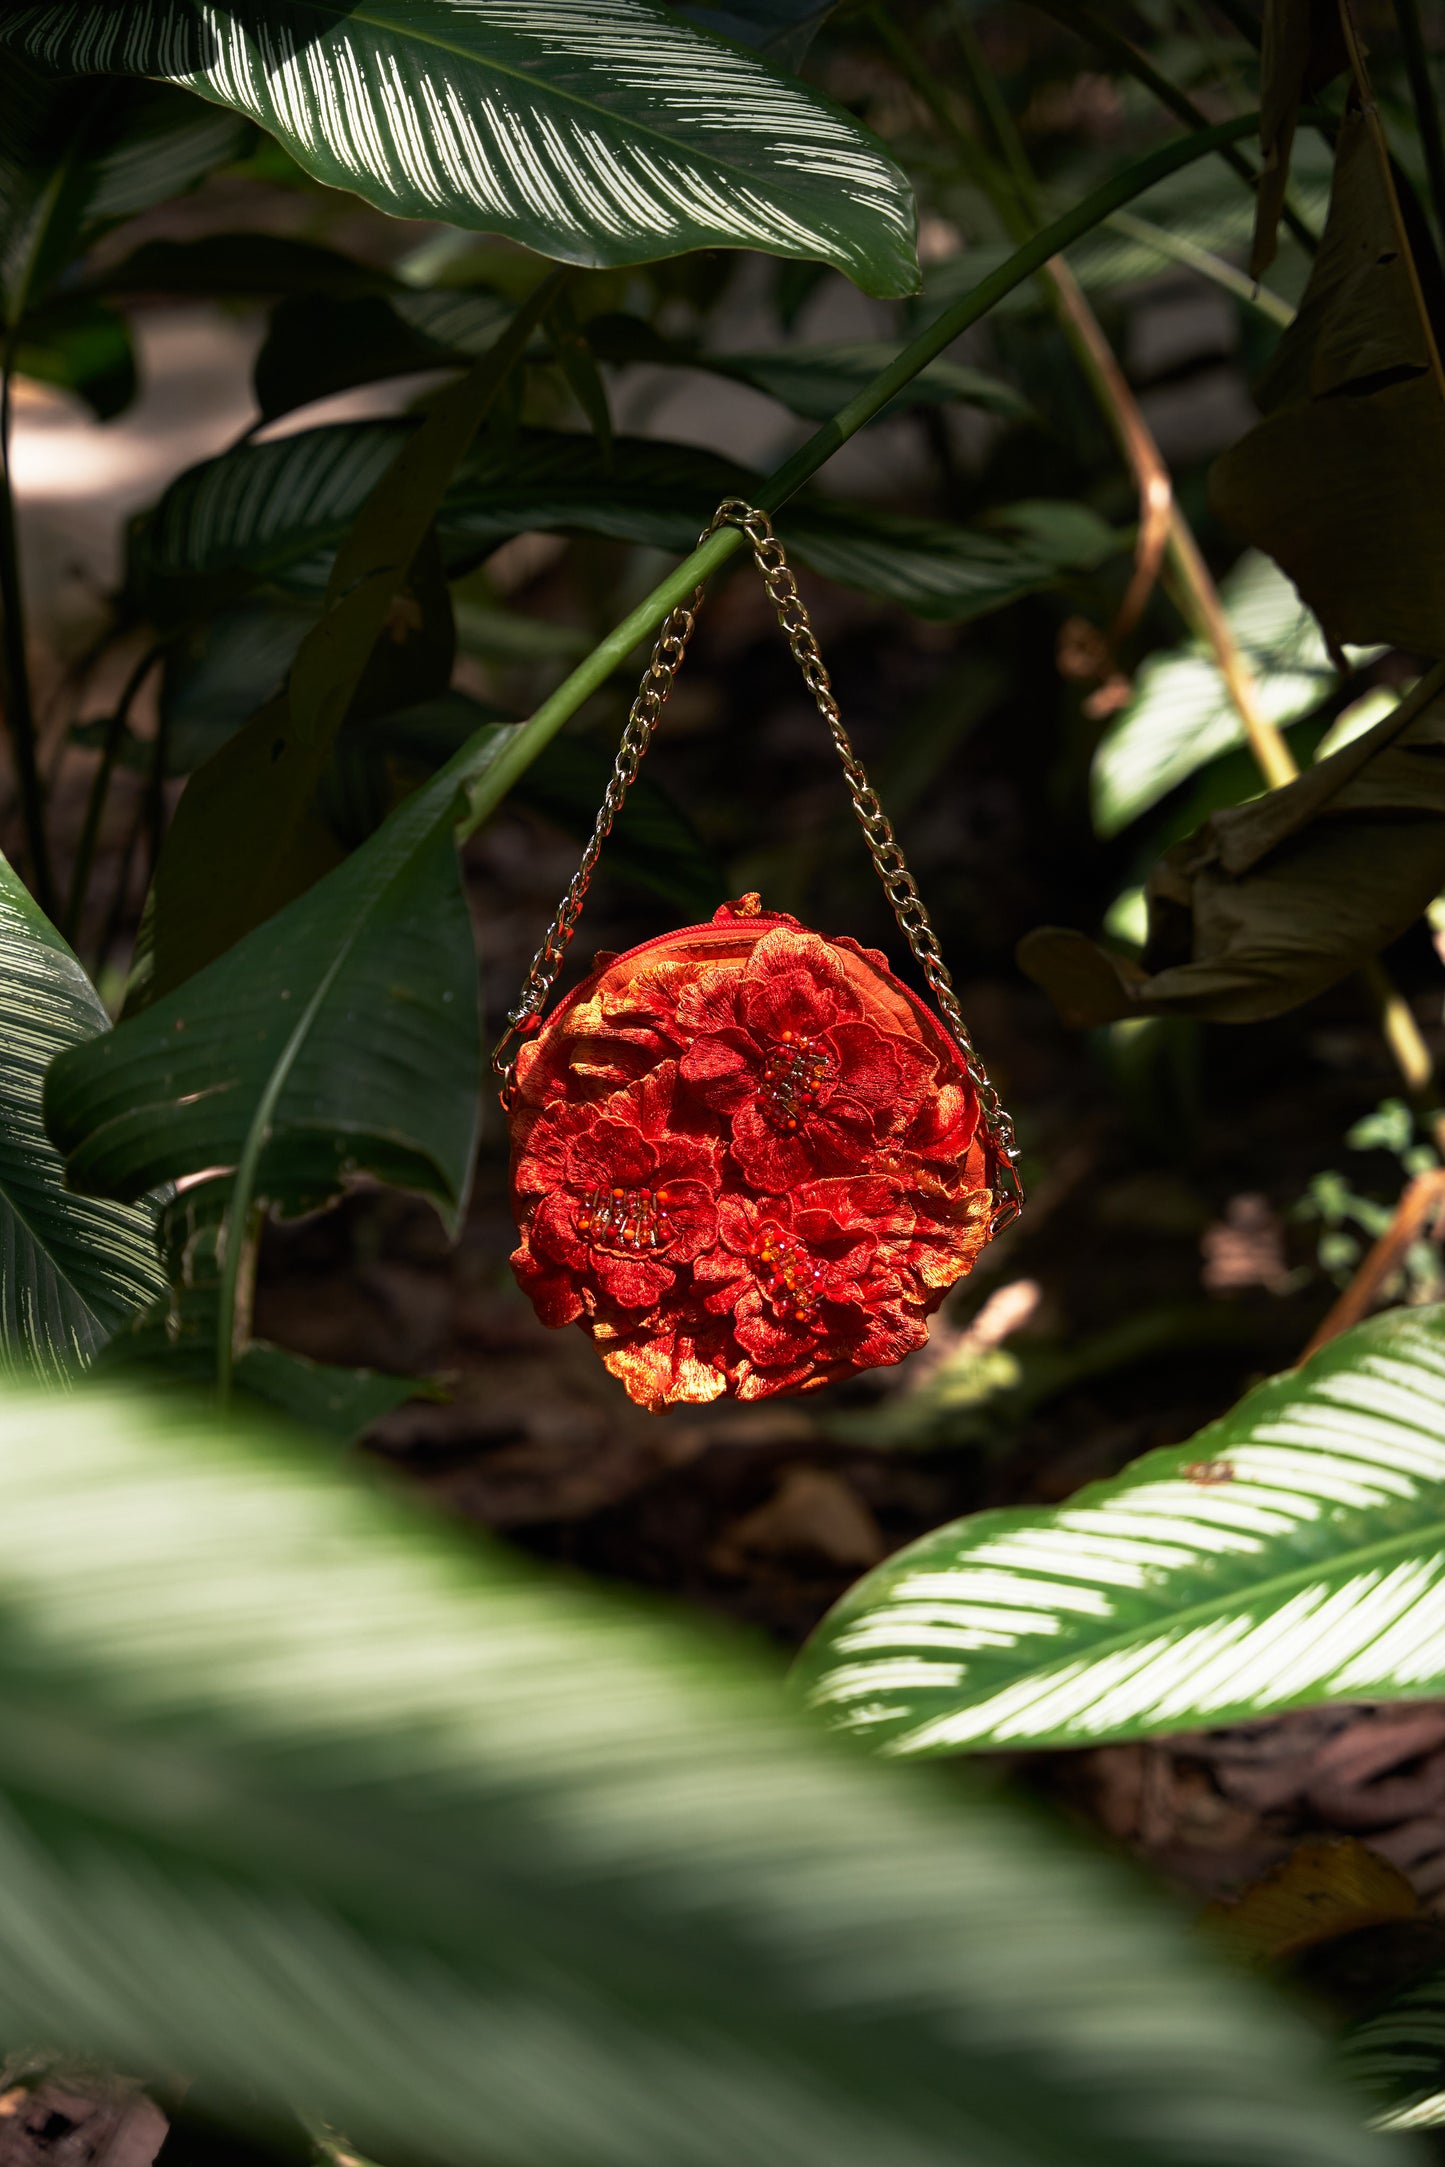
[746, 1160]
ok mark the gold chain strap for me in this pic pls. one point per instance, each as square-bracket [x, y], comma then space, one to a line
[883, 848]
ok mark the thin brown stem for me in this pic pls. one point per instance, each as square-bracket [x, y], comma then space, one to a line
[1417, 1217]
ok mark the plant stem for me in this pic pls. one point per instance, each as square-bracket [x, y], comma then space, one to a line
[100, 789]
[525, 743]
[19, 706]
[1427, 110]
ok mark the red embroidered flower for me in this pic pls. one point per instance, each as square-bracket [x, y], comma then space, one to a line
[615, 1202]
[816, 1283]
[785, 1048]
[746, 1160]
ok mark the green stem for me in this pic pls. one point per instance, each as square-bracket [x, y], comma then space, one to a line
[1178, 248]
[1427, 110]
[19, 706]
[590, 675]
[100, 790]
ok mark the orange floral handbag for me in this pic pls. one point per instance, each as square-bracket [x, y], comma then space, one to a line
[747, 1159]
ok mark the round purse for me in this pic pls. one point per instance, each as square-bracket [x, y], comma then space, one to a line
[746, 1159]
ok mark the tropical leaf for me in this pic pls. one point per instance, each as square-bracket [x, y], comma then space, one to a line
[250, 265]
[314, 1798]
[1291, 1553]
[171, 1346]
[1341, 479]
[250, 833]
[85, 348]
[1182, 716]
[77, 157]
[1273, 901]
[275, 512]
[607, 133]
[319, 344]
[71, 1271]
[1398, 2057]
[340, 1037]
[813, 381]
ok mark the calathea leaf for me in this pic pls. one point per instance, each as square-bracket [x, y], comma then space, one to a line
[1273, 901]
[77, 157]
[319, 344]
[1291, 1553]
[311, 1796]
[1397, 2057]
[1342, 480]
[609, 133]
[341, 1037]
[274, 511]
[71, 1270]
[245, 838]
[254, 265]
[811, 380]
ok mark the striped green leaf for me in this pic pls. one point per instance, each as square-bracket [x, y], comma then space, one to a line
[71, 1271]
[276, 512]
[1398, 2056]
[318, 1800]
[1291, 1553]
[599, 132]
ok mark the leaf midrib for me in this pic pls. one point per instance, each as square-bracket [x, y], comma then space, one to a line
[1420, 1537]
[377, 19]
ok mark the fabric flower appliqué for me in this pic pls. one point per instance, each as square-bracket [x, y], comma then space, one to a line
[785, 1048]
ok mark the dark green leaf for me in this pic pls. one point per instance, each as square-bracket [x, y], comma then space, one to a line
[321, 344]
[247, 837]
[1342, 480]
[172, 1345]
[71, 1271]
[1273, 901]
[1301, 50]
[81, 347]
[243, 264]
[783, 29]
[275, 511]
[810, 380]
[354, 1011]
[314, 1798]
[77, 157]
[609, 134]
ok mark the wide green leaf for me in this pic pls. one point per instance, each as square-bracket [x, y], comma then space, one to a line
[813, 381]
[1398, 2056]
[341, 1036]
[171, 1346]
[77, 157]
[1273, 901]
[275, 513]
[1291, 1553]
[318, 1800]
[71, 1270]
[1181, 715]
[1341, 480]
[609, 132]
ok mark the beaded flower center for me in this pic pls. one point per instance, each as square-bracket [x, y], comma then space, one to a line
[793, 1075]
[791, 1279]
[631, 1219]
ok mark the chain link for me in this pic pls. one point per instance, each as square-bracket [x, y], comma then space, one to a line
[883, 846]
